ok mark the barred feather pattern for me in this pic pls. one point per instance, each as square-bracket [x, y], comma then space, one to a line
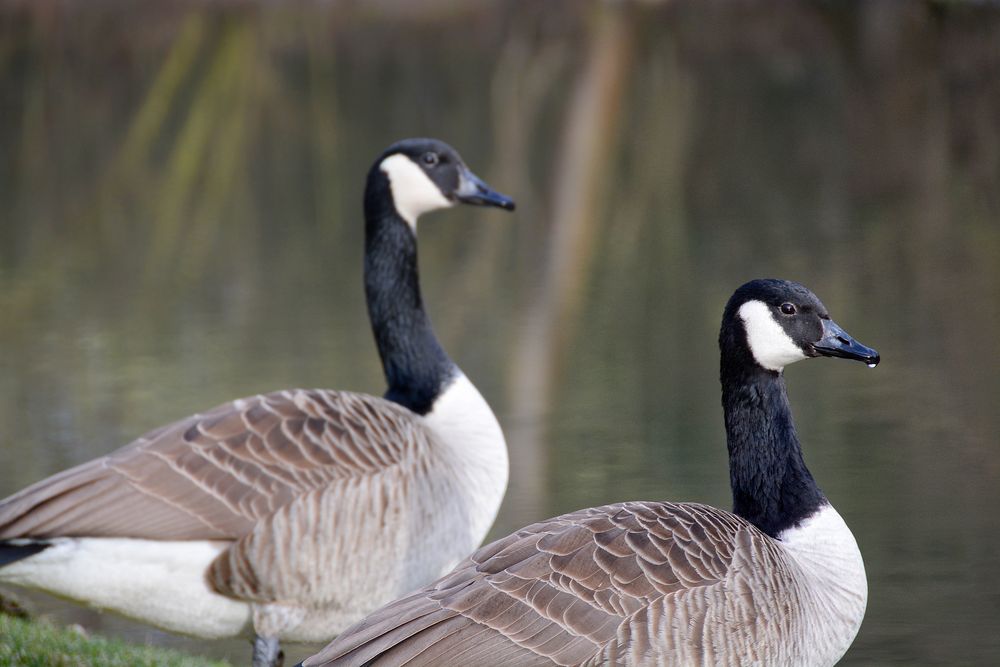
[215, 474]
[636, 583]
[297, 481]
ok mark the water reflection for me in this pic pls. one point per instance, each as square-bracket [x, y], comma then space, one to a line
[181, 225]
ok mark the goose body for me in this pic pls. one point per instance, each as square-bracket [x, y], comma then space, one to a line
[292, 513]
[778, 581]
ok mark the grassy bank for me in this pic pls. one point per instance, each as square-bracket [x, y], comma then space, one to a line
[25, 643]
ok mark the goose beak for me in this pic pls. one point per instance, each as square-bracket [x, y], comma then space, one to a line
[472, 190]
[838, 343]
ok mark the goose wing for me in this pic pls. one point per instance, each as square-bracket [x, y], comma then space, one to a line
[214, 475]
[589, 587]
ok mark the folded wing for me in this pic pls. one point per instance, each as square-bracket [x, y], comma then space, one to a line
[214, 475]
[583, 586]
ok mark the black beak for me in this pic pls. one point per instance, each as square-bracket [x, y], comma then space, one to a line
[472, 190]
[837, 343]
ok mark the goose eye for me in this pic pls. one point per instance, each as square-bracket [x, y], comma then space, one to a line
[430, 159]
[787, 308]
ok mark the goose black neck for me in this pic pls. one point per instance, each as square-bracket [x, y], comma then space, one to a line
[415, 365]
[772, 488]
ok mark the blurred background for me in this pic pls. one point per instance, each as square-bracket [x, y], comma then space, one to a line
[180, 224]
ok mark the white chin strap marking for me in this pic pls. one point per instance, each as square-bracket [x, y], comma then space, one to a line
[412, 191]
[769, 344]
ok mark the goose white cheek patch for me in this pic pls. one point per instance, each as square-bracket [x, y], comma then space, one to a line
[413, 192]
[770, 345]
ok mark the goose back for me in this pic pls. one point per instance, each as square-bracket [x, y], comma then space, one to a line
[287, 485]
[636, 583]
[214, 474]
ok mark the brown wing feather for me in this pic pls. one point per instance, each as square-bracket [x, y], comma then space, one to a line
[214, 475]
[557, 592]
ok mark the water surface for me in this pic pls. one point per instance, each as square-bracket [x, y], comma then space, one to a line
[180, 224]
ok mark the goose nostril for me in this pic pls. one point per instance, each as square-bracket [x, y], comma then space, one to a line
[843, 341]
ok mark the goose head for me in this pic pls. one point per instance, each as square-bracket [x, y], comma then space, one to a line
[424, 175]
[772, 323]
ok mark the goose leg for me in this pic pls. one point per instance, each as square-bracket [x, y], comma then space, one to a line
[267, 652]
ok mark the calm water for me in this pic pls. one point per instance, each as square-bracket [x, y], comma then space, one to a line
[180, 225]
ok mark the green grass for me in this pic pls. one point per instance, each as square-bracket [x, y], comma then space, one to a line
[25, 643]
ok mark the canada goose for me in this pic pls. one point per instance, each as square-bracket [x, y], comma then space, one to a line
[297, 511]
[778, 581]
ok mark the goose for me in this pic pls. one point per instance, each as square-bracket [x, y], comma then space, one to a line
[777, 581]
[292, 513]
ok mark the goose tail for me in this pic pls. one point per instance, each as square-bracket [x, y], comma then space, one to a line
[12, 551]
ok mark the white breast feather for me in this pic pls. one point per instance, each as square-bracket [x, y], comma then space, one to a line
[468, 433]
[834, 585]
